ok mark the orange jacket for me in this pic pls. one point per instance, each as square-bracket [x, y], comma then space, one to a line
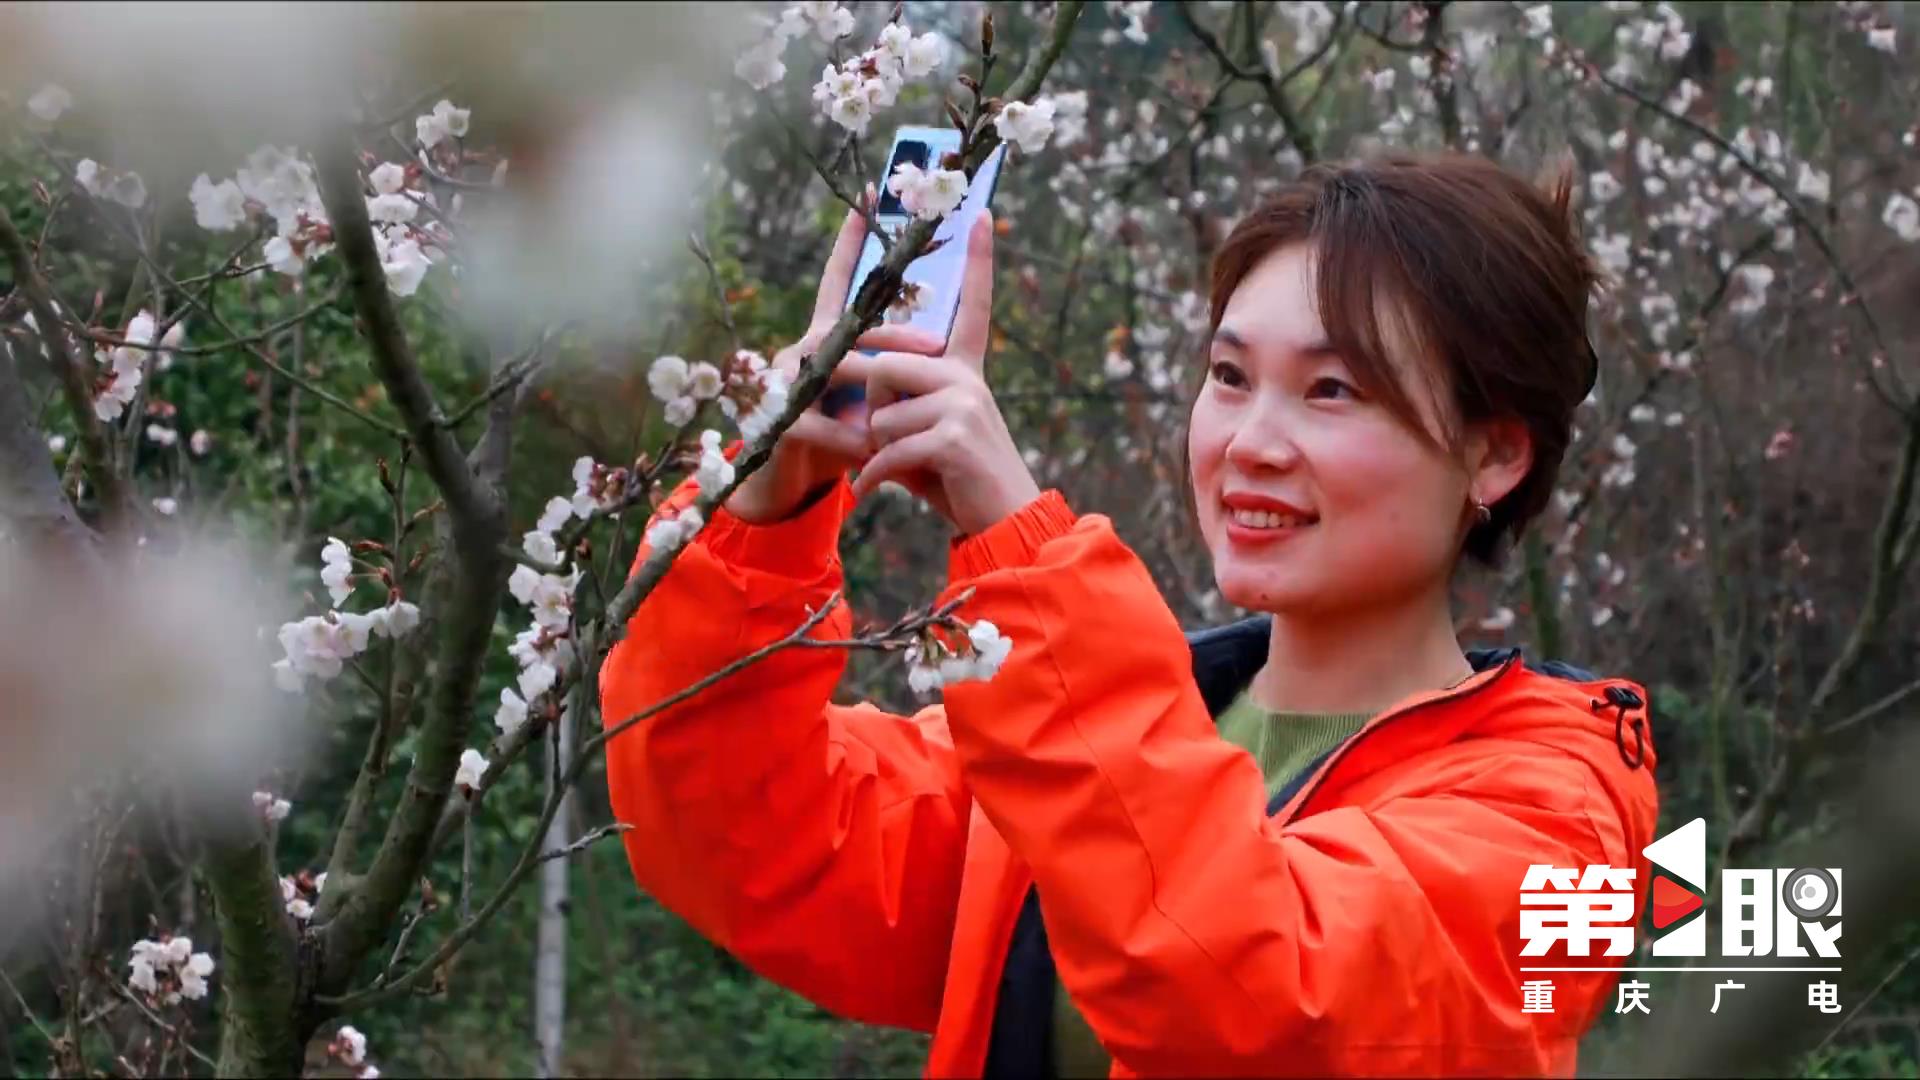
[878, 864]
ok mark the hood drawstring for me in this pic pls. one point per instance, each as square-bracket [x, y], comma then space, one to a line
[1622, 699]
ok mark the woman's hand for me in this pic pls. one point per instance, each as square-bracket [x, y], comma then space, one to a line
[818, 449]
[948, 442]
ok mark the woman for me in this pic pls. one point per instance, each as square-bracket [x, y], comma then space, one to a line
[1292, 845]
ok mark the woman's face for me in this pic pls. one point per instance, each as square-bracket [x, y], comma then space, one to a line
[1312, 497]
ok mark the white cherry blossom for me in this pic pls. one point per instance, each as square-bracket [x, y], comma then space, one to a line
[444, 122]
[512, 711]
[1026, 125]
[220, 207]
[405, 264]
[667, 377]
[388, 178]
[473, 768]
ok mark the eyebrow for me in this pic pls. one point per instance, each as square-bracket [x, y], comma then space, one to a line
[1226, 335]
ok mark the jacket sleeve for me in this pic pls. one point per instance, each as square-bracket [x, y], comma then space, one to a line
[821, 845]
[1196, 935]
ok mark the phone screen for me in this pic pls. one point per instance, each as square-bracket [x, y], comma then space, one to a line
[940, 272]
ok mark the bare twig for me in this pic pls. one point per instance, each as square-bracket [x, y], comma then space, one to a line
[95, 449]
[585, 842]
[103, 338]
[27, 1010]
[134, 1000]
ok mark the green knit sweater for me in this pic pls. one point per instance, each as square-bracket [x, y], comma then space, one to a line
[1283, 743]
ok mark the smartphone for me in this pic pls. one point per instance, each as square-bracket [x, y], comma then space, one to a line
[941, 271]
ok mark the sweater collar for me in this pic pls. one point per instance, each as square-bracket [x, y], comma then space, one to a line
[1226, 658]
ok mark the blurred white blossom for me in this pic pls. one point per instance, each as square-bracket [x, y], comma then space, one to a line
[49, 102]
[1902, 215]
[271, 808]
[444, 122]
[219, 207]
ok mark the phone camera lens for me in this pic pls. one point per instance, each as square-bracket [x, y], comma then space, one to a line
[910, 151]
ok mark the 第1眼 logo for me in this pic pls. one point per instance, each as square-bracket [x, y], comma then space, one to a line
[1786, 913]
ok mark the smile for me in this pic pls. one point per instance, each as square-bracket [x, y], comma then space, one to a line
[1266, 519]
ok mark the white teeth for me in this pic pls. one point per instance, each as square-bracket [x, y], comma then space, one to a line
[1264, 519]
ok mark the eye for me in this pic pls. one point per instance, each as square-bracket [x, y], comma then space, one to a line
[1331, 385]
[1227, 373]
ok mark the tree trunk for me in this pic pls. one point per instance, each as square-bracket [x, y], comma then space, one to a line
[258, 980]
[550, 957]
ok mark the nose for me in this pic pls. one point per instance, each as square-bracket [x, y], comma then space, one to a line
[1262, 441]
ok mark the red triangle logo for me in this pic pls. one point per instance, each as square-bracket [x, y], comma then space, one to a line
[1672, 901]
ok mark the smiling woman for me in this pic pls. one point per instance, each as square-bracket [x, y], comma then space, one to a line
[1292, 845]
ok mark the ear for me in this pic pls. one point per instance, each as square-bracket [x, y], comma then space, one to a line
[1499, 455]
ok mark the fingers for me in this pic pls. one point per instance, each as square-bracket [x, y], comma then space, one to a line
[894, 375]
[903, 419]
[839, 270]
[970, 325]
[900, 460]
[824, 433]
[901, 337]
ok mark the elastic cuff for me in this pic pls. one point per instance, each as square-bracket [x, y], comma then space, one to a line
[802, 546]
[1013, 540]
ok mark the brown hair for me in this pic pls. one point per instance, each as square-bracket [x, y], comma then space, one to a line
[1481, 272]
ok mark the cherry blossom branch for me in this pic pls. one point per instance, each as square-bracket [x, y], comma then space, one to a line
[869, 305]
[1854, 297]
[154, 1019]
[879, 290]
[101, 337]
[530, 853]
[469, 578]
[1275, 86]
[260, 356]
[338, 174]
[892, 637]
[95, 450]
[1884, 575]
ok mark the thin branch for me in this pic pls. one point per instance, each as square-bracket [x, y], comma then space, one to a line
[153, 1019]
[260, 356]
[511, 375]
[528, 857]
[95, 450]
[103, 338]
[1873, 710]
[585, 842]
[700, 251]
[27, 1010]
